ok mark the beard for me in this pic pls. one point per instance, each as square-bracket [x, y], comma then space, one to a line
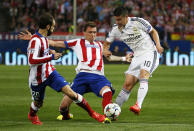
[49, 32]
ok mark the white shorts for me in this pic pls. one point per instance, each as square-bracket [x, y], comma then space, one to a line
[148, 61]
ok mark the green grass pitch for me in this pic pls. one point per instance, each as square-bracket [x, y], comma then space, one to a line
[168, 106]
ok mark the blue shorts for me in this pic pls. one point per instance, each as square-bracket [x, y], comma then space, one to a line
[90, 82]
[55, 81]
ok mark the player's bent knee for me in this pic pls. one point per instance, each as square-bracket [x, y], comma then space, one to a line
[128, 86]
[105, 90]
[144, 74]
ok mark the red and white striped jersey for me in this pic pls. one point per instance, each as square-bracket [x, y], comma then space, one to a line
[39, 59]
[89, 55]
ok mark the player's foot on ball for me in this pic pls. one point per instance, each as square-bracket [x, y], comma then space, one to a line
[100, 118]
[135, 109]
[61, 117]
[34, 119]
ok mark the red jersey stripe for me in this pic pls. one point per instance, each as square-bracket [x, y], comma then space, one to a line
[70, 44]
[99, 67]
[93, 57]
[84, 50]
[39, 69]
[47, 65]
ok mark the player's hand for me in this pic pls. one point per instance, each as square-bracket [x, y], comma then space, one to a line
[107, 53]
[25, 36]
[160, 49]
[52, 51]
[129, 57]
[57, 55]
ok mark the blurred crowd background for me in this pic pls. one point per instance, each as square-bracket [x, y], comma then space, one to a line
[167, 16]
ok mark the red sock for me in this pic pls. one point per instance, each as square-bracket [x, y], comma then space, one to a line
[32, 112]
[84, 104]
[107, 98]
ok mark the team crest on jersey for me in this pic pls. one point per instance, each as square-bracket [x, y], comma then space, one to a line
[135, 30]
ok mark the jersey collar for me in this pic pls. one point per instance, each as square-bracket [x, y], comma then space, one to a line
[38, 34]
[128, 23]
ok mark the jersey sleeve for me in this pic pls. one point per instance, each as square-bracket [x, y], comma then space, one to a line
[36, 54]
[111, 36]
[143, 24]
[71, 43]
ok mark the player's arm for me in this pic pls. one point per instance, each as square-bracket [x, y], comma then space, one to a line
[34, 51]
[155, 37]
[127, 58]
[146, 26]
[106, 46]
[107, 43]
[60, 44]
[28, 35]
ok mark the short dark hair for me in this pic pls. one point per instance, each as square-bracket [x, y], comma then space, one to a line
[45, 19]
[120, 11]
[89, 24]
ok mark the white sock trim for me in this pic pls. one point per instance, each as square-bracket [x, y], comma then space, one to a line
[79, 98]
[34, 107]
[105, 91]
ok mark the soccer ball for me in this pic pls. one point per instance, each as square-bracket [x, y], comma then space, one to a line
[112, 111]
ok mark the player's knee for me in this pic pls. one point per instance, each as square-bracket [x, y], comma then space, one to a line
[105, 90]
[38, 103]
[144, 74]
[128, 86]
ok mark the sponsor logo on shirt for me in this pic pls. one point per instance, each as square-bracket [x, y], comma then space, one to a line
[92, 46]
[132, 37]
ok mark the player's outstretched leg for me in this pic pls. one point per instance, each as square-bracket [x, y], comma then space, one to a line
[142, 91]
[32, 115]
[84, 104]
[106, 97]
[80, 101]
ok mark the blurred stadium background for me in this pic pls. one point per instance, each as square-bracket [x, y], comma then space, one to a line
[170, 101]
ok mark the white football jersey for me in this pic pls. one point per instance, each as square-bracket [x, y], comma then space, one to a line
[135, 34]
[39, 60]
[89, 55]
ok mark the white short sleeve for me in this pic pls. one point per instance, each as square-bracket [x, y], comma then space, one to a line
[143, 24]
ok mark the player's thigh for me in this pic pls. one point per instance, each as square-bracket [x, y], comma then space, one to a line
[56, 81]
[134, 68]
[150, 62]
[79, 85]
[100, 82]
[38, 92]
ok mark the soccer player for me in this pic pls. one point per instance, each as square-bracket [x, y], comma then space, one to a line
[90, 70]
[42, 73]
[135, 32]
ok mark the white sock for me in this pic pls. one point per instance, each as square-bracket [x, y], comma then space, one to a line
[34, 107]
[79, 98]
[142, 91]
[122, 97]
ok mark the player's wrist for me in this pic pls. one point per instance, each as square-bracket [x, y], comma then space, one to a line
[123, 58]
[66, 44]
